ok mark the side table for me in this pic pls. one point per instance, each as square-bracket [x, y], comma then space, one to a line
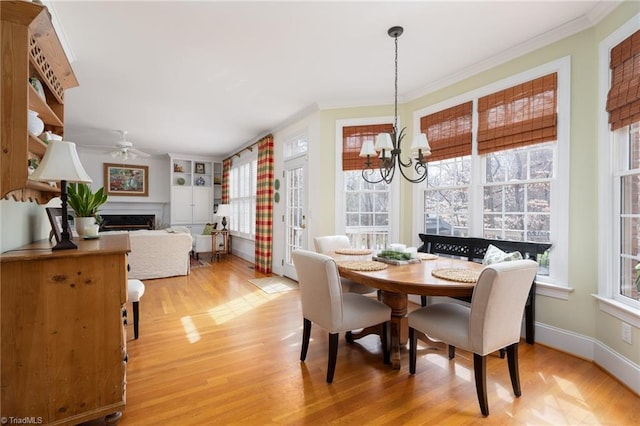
[217, 247]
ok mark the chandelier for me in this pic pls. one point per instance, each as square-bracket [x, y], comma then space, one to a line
[387, 148]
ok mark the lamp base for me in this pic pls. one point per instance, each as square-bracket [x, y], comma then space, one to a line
[224, 223]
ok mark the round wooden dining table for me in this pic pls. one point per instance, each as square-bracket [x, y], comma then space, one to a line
[396, 282]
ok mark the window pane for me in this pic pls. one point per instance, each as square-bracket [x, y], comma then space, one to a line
[366, 210]
[446, 209]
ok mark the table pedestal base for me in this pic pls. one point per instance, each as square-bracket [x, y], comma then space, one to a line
[399, 325]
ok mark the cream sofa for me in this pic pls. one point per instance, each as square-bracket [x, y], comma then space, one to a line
[159, 254]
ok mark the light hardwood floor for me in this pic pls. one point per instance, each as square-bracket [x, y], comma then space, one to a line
[214, 349]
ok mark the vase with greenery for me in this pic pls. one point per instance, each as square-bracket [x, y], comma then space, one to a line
[85, 203]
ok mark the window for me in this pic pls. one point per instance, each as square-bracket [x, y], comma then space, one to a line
[507, 178]
[446, 196]
[627, 209]
[367, 211]
[620, 178]
[242, 196]
[363, 209]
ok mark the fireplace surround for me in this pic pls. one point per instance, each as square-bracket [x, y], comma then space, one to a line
[127, 222]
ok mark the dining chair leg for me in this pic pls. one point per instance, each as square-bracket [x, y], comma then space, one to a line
[306, 335]
[136, 318]
[413, 343]
[386, 347]
[333, 356]
[512, 360]
[480, 369]
[452, 351]
[423, 301]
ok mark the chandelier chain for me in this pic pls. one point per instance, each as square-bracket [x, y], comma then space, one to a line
[395, 110]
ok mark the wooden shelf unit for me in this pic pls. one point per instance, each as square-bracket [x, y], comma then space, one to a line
[29, 47]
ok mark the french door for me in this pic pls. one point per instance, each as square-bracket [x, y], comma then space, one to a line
[295, 190]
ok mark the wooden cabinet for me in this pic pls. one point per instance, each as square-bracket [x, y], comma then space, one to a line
[29, 48]
[195, 184]
[63, 341]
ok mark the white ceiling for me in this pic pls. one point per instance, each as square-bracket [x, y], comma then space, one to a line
[210, 77]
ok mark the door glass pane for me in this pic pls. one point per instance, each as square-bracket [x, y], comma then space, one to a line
[294, 214]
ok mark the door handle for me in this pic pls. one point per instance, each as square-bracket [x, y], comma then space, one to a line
[303, 226]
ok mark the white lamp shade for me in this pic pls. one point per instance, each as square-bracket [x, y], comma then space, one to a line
[383, 141]
[367, 149]
[61, 162]
[420, 142]
[224, 210]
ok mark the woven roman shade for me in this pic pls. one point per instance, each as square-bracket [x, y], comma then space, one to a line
[518, 116]
[623, 100]
[352, 139]
[449, 131]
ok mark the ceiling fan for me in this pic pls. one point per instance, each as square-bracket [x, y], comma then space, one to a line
[125, 150]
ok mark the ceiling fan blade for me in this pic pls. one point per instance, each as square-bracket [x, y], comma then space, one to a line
[138, 153]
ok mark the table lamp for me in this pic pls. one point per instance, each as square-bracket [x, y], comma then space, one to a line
[61, 162]
[223, 210]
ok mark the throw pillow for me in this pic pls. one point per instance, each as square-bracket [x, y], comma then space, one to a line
[494, 255]
[208, 229]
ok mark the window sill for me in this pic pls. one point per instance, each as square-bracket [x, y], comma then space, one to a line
[553, 290]
[619, 310]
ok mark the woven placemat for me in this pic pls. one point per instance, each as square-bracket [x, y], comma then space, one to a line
[361, 265]
[456, 274]
[427, 256]
[353, 251]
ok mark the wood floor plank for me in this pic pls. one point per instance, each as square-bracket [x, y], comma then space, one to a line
[214, 348]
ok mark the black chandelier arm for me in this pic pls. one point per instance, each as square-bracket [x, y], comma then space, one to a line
[387, 168]
[421, 172]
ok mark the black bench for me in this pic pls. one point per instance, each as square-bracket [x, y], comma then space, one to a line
[474, 249]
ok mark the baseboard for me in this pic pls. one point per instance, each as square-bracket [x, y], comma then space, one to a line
[623, 369]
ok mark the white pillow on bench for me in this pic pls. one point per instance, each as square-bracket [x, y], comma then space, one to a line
[495, 255]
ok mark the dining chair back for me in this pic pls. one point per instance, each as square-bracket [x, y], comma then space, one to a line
[492, 322]
[328, 245]
[324, 304]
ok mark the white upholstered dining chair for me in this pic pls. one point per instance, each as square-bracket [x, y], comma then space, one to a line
[492, 322]
[324, 304]
[329, 244]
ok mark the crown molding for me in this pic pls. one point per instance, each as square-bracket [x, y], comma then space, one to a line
[600, 11]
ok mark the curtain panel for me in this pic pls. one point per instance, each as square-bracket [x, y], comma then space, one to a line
[264, 206]
[449, 131]
[623, 100]
[352, 139]
[226, 168]
[521, 115]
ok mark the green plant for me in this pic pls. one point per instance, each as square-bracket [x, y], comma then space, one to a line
[637, 268]
[83, 201]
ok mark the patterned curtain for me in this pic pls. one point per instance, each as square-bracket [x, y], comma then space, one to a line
[264, 206]
[226, 167]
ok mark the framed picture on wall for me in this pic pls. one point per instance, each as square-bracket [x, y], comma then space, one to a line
[126, 180]
[200, 168]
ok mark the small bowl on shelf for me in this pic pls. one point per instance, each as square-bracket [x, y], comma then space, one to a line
[180, 181]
